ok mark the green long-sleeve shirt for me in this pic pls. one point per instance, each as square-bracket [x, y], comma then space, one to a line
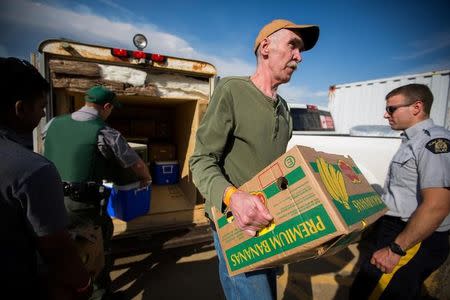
[242, 132]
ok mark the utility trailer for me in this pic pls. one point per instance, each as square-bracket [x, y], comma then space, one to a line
[164, 99]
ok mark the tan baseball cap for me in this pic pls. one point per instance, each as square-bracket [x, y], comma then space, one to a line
[308, 33]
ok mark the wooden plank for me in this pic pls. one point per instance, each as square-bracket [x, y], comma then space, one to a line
[79, 68]
[147, 90]
[81, 85]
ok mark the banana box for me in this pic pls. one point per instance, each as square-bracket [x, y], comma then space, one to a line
[320, 203]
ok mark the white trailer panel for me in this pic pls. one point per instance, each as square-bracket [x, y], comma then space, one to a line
[363, 103]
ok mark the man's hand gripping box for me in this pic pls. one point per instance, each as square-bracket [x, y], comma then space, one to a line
[320, 203]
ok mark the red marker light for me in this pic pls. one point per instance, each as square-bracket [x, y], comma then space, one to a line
[139, 54]
[119, 52]
[158, 57]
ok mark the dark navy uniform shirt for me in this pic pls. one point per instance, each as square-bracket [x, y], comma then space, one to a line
[31, 206]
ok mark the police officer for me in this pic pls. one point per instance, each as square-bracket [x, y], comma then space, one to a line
[412, 240]
[33, 220]
[86, 151]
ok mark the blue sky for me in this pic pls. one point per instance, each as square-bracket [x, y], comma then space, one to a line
[359, 40]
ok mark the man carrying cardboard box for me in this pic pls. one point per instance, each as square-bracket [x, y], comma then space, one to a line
[247, 126]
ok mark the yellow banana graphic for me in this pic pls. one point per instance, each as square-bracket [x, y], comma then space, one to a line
[335, 176]
[342, 185]
[344, 194]
[324, 175]
[336, 185]
[333, 181]
[328, 170]
[332, 171]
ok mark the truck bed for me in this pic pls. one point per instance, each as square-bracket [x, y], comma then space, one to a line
[372, 154]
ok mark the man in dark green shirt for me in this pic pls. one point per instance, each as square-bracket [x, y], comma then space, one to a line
[85, 151]
[247, 126]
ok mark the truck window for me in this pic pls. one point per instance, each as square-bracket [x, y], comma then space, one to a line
[311, 120]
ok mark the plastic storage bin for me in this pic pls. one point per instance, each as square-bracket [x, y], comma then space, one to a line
[127, 202]
[166, 172]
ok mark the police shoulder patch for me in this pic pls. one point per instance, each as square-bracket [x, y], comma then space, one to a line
[439, 145]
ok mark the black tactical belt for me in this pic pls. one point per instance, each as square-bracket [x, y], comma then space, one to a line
[86, 192]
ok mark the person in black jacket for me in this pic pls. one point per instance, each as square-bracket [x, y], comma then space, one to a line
[33, 219]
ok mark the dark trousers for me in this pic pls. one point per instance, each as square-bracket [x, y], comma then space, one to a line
[406, 282]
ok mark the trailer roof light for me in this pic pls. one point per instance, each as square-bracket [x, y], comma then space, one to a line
[140, 41]
[119, 52]
[158, 57]
[311, 107]
[138, 54]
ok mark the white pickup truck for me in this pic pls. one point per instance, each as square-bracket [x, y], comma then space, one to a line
[358, 127]
[371, 147]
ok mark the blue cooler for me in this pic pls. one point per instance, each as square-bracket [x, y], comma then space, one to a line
[166, 172]
[127, 202]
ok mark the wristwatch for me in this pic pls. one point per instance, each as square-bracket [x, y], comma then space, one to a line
[397, 249]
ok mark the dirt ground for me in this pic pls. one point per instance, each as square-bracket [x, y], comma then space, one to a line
[180, 273]
[190, 272]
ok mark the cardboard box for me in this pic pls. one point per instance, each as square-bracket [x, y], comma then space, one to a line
[320, 202]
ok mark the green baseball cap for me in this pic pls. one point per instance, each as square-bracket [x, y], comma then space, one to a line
[101, 95]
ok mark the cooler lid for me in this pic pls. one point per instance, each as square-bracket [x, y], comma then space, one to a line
[166, 162]
[130, 186]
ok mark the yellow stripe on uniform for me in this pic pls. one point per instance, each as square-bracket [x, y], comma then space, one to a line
[386, 278]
